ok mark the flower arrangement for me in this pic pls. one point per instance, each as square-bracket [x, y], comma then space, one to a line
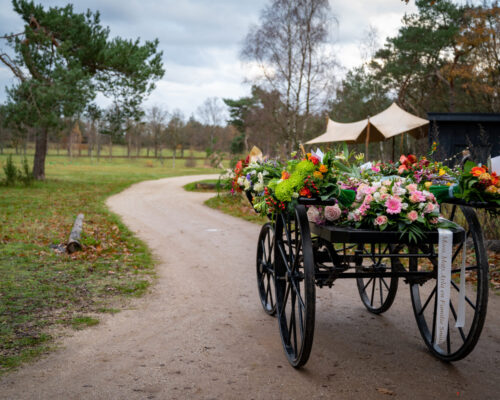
[475, 184]
[379, 196]
[397, 204]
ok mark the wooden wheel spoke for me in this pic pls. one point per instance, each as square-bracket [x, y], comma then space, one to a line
[297, 292]
[364, 288]
[385, 283]
[373, 291]
[381, 292]
[285, 298]
[428, 300]
[470, 268]
[466, 298]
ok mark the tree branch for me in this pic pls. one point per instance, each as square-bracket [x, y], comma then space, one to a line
[12, 66]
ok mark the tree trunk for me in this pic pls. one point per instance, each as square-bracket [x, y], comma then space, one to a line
[40, 153]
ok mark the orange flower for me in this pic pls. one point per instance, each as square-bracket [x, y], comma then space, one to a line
[318, 174]
[305, 192]
[323, 169]
[477, 171]
[285, 175]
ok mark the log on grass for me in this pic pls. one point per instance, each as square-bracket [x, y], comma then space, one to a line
[74, 237]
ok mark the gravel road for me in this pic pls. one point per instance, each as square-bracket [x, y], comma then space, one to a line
[201, 333]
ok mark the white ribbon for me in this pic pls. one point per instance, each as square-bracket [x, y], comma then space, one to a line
[461, 294]
[445, 246]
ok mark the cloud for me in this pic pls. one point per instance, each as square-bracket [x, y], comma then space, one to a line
[201, 39]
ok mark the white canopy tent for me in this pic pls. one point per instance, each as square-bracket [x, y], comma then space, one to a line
[389, 123]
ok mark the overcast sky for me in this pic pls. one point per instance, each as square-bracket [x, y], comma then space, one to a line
[201, 39]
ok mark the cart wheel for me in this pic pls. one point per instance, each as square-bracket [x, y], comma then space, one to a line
[378, 294]
[295, 290]
[265, 269]
[459, 341]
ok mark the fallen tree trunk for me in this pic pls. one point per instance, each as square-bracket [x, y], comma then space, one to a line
[74, 237]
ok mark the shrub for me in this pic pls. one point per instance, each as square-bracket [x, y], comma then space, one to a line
[11, 172]
[27, 175]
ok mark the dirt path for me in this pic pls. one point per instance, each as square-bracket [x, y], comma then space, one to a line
[201, 332]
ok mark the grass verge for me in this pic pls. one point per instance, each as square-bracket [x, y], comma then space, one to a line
[236, 205]
[205, 185]
[41, 290]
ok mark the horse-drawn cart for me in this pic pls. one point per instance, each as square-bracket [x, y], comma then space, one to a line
[295, 255]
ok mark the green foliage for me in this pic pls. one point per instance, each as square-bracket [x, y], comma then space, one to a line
[11, 172]
[26, 176]
[63, 59]
[238, 144]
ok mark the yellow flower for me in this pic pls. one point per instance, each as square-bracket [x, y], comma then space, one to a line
[485, 177]
[318, 174]
[448, 184]
[441, 172]
[428, 185]
[491, 189]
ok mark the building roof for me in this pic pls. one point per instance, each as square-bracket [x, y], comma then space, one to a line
[464, 117]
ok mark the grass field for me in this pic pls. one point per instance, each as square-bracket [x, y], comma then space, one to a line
[41, 290]
[118, 150]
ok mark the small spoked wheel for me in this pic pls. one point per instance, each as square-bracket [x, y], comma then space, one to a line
[295, 289]
[377, 293]
[460, 341]
[265, 269]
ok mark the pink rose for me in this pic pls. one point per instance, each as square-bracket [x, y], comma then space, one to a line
[380, 220]
[412, 215]
[332, 213]
[313, 215]
[412, 187]
[429, 208]
[417, 196]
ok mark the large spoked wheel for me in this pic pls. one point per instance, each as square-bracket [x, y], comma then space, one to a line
[377, 293]
[295, 290]
[265, 269]
[462, 340]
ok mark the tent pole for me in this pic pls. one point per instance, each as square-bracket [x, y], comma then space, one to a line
[367, 139]
[393, 145]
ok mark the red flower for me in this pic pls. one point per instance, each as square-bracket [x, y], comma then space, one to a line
[285, 175]
[239, 167]
[494, 178]
[412, 159]
[315, 160]
[305, 192]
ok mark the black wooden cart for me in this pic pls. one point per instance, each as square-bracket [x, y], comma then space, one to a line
[294, 256]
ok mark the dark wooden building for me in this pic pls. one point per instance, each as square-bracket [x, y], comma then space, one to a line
[457, 131]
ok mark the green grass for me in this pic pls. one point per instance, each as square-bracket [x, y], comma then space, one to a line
[236, 205]
[79, 323]
[205, 185]
[41, 289]
[118, 150]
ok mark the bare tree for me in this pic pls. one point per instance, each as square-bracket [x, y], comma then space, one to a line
[369, 43]
[212, 114]
[292, 49]
[157, 118]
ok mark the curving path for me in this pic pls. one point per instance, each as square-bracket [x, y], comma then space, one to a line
[201, 333]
